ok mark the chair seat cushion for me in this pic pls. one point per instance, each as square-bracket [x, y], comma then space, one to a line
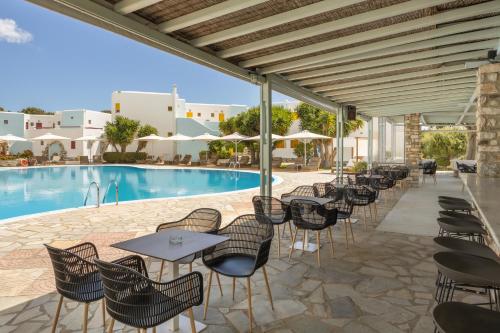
[233, 265]
[460, 226]
[465, 246]
[455, 317]
[459, 216]
[87, 288]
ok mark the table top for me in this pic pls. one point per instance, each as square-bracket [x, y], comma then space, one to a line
[485, 193]
[319, 201]
[158, 245]
[373, 176]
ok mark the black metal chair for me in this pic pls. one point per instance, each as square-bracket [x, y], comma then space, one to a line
[344, 209]
[464, 168]
[382, 185]
[301, 191]
[309, 215]
[360, 196]
[455, 204]
[246, 251]
[328, 190]
[76, 277]
[429, 168]
[456, 317]
[133, 299]
[461, 228]
[465, 246]
[278, 212]
[460, 216]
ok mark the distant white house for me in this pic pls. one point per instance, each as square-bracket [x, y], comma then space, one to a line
[69, 123]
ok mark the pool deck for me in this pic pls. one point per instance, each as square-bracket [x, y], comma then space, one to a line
[383, 283]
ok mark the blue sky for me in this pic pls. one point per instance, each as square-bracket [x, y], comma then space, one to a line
[55, 62]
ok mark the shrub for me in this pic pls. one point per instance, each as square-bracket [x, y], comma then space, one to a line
[26, 154]
[204, 154]
[360, 166]
[128, 157]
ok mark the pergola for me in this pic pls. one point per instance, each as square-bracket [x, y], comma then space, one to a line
[387, 57]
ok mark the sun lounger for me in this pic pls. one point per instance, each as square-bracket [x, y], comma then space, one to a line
[313, 164]
[175, 160]
[186, 160]
[84, 159]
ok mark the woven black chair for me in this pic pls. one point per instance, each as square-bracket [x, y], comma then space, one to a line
[382, 185]
[206, 220]
[361, 196]
[328, 190]
[301, 191]
[246, 251]
[344, 209]
[309, 215]
[278, 212]
[346, 180]
[464, 168]
[133, 299]
[76, 277]
[429, 168]
[456, 317]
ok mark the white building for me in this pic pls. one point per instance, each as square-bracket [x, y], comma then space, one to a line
[69, 123]
[171, 114]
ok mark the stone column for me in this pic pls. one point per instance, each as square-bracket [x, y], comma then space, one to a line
[488, 121]
[412, 146]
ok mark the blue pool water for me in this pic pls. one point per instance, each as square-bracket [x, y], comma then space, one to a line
[36, 190]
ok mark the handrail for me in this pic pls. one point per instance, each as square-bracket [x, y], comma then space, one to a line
[107, 190]
[88, 192]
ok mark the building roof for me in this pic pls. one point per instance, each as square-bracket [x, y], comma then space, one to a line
[388, 57]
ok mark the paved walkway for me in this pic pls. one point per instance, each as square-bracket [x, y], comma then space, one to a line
[383, 283]
[417, 210]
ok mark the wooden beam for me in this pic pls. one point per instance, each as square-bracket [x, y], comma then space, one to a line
[425, 35]
[472, 55]
[410, 99]
[389, 78]
[406, 95]
[443, 79]
[469, 105]
[458, 40]
[129, 6]
[409, 92]
[272, 21]
[342, 23]
[448, 16]
[206, 14]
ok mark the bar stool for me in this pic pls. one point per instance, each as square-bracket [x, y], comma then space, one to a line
[461, 229]
[460, 216]
[455, 204]
[460, 271]
[456, 317]
[465, 246]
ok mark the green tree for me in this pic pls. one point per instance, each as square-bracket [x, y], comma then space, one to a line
[145, 130]
[35, 110]
[323, 122]
[248, 123]
[444, 146]
[2, 109]
[121, 132]
[106, 111]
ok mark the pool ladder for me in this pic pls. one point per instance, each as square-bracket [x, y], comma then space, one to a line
[114, 182]
[88, 192]
[98, 201]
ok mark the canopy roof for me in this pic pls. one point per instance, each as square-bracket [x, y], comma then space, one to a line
[11, 138]
[305, 135]
[49, 137]
[388, 57]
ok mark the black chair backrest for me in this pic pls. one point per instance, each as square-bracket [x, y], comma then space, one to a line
[75, 273]
[200, 220]
[271, 207]
[309, 214]
[464, 168]
[135, 300]
[304, 191]
[249, 235]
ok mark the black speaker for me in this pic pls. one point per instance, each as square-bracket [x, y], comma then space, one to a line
[351, 112]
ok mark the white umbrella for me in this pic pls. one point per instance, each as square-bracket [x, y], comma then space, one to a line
[11, 138]
[275, 137]
[206, 137]
[178, 137]
[91, 139]
[49, 137]
[235, 137]
[304, 136]
[152, 137]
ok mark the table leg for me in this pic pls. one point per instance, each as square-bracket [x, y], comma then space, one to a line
[308, 246]
[172, 274]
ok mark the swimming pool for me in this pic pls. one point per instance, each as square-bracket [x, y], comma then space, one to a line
[37, 190]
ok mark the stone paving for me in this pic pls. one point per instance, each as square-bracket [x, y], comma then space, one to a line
[383, 283]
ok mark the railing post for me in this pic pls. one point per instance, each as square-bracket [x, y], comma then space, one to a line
[266, 142]
[339, 140]
[370, 143]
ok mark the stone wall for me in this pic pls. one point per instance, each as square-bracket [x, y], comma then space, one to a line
[412, 146]
[488, 121]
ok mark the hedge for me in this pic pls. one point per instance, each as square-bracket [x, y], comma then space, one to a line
[129, 157]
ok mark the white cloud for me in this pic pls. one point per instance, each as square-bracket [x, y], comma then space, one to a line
[11, 33]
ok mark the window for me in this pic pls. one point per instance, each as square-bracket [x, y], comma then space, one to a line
[212, 115]
[73, 144]
[170, 108]
[41, 143]
[90, 122]
[71, 117]
[26, 125]
[199, 114]
[189, 114]
[5, 122]
[59, 123]
[39, 125]
[53, 125]
[280, 144]
[170, 134]
[221, 116]
[32, 124]
[294, 143]
[117, 107]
